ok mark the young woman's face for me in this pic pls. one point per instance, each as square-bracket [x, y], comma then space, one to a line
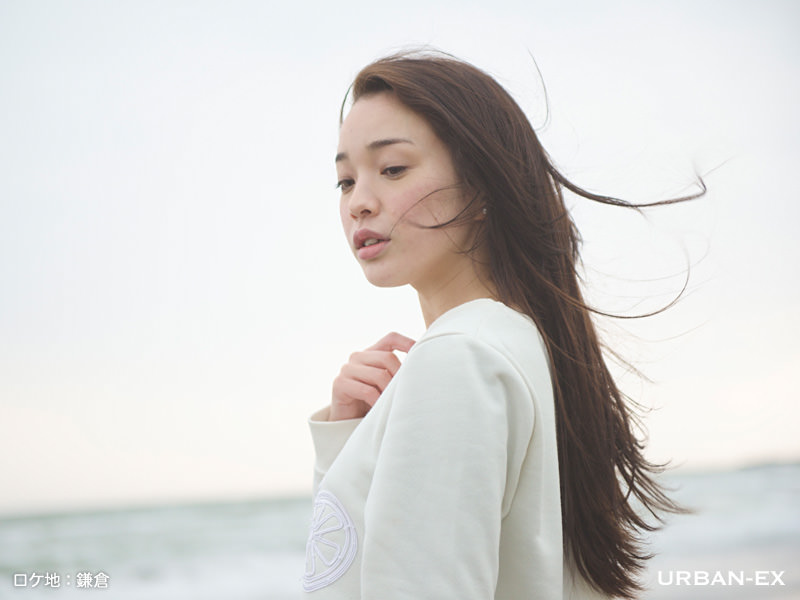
[397, 180]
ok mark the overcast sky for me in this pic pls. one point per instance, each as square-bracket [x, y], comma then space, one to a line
[175, 291]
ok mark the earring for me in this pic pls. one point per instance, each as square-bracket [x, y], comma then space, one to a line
[485, 210]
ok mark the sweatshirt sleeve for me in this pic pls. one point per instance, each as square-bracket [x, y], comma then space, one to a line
[329, 438]
[453, 446]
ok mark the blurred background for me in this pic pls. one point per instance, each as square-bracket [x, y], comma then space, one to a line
[176, 294]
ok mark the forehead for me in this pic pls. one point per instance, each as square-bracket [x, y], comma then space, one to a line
[381, 116]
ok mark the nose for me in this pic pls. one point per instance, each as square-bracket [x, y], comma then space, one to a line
[362, 201]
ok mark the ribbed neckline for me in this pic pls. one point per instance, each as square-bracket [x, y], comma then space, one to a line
[448, 314]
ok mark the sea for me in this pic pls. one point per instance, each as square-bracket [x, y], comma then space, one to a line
[742, 542]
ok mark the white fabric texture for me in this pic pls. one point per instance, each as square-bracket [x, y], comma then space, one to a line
[451, 480]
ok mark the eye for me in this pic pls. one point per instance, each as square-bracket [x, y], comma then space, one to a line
[394, 171]
[345, 184]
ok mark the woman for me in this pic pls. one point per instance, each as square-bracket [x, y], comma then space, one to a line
[499, 460]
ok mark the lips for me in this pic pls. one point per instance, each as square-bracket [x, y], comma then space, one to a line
[369, 244]
[364, 238]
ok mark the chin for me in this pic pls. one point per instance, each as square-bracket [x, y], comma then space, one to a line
[383, 280]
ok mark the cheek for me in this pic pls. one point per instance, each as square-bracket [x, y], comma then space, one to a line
[347, 222]
[431, 207]
[416, 204]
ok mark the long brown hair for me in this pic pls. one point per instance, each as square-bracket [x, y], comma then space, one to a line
[533, 250]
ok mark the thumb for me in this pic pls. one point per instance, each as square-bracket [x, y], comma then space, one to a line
[393, 341]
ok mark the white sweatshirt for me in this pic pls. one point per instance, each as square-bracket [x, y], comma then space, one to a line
[448, 488]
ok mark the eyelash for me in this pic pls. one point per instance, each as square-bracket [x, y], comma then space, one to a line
[344, 184]
[394, 171]
[399, 170]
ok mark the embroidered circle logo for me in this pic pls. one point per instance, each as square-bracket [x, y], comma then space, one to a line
[332, 543]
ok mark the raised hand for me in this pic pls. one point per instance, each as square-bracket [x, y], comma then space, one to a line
[364, 377]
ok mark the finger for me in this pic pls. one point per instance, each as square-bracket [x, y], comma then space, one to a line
[376, 358]
[376, 377]
[353, 390]
[393, 341]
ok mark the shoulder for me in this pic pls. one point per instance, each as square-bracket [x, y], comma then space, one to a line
[481, 352]
[476, 371]
[485, 332]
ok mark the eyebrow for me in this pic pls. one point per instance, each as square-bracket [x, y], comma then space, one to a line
[377, 144]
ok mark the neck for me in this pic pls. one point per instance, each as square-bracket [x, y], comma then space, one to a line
[448, 294]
